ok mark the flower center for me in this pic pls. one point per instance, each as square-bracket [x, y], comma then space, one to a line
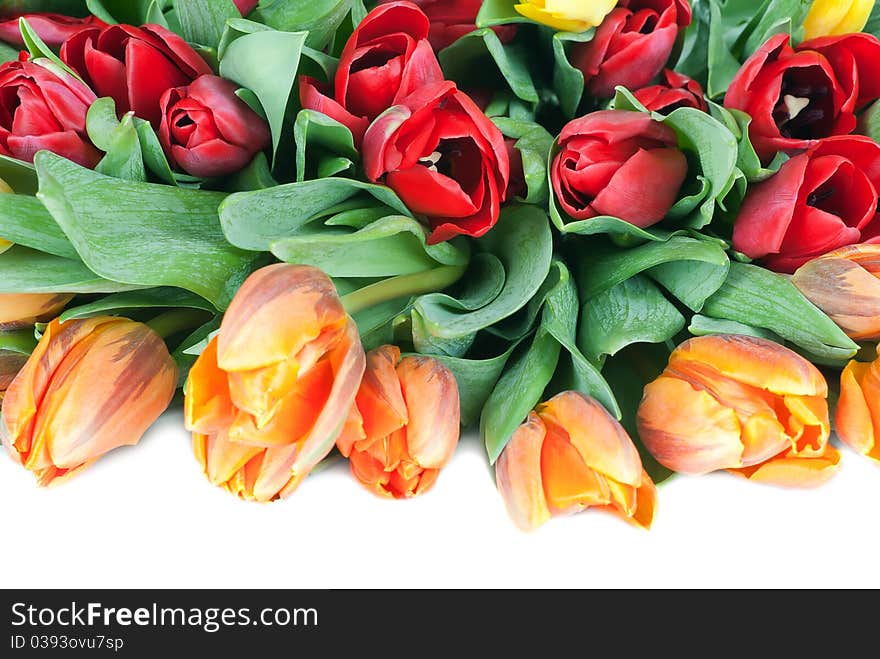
[804, 110]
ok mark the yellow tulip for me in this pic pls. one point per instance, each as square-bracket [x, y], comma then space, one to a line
[19, 310]
[567, 15]
[833, 17]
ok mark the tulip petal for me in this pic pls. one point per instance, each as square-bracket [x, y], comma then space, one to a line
[207, 404]
[518, 475]
[857, 417]
[380, 400]
[569, 484]
[791, 471]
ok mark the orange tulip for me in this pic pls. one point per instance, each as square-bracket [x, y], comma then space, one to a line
[90, 386]
[269, 395]
[404, 425]
[845, 284]
[571, 455]
[19, 310]
[743, 404]
[857, 418]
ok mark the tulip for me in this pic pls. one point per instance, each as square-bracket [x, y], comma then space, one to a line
[845, 284]
[245, 7]
[53, 29]
[404, 425]
[571, 455]
[857, 417]
[90, 386]
[834, 17]
[676, 91]
[268, 397]
[452, 19]
[743, 404]
[206, 130]
[567, 15]
[18, 310]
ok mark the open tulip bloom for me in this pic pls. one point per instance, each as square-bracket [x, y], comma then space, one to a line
[614, 247]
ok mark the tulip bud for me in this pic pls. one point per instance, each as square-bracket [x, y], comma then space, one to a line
[269, 395]
[833, 17]
[571, 455]
[18, 310]
[857, 417]
[566, 15]
[404, 425]
[845, 284]
[90, 386]
[743, 404]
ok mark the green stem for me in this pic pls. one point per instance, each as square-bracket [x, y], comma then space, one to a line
[178, 320]
[402, 286]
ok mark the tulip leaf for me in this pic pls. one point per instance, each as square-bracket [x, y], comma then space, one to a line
[738, 122]
[533, 143]
[20, 176]
[109, 220]
[20, 342]
[41, 53]
[691, 282]
[568, 80]
[118, 139]
[202, 21]
[705, 326]
[693, 57]
[476, 379]
[873, 24]
[155, 158]
[759, 298]
[257, 175]
[375, 324]
[316, 131]
[634, 311]
[499, 12]
[132, 12]
[523, 244]
[266, 62]
[149, 298]
[7, 53]
[464, 60]
[23, 270]
[320, 18]
[25, 221]
[186, 354]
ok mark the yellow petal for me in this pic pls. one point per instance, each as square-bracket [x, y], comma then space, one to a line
[795, 471]
[567, 15]
[834, 17]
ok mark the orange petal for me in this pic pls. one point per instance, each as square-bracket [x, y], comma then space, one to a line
[636, 505]
[601, 441]
[762, 438]
[808, 424]
[688, 430]
[857, 417]
[518, 475]
[431, 395]
[207, 405]
[569, 484]
[223, 458]
[371, 473]
[380, 398]
[23, 309]
[352, 432]
[795, 471]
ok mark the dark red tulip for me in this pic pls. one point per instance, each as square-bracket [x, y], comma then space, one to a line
[820, 200]
[53, 29]
[632, 45]
[206, 130]
[43, 107]
[443, 157]
[133, 65]
[796, 96]
[675, 91]
[452, 19]
[387, 57]
[245, 7]
[618, 163]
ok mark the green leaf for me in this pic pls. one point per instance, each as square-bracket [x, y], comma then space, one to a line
[534, 144]
[691, 282]
[266, 62]
[705, 326]
[693, 57]
[257, 175]
[133, 12]
[202, 21]
[760, 298]
[499, 12]
[41, 53]
[469, 62]
[320, 18]
[20, 342]
[150, 298]
[20, 176]
[723, 65]
[153, 154]
[568, 80]
[316, 131]
[188, 351]
[25, 221]
[8, 53]
[144, 234]
[634, 311]
[257, 220]
[118, 139]
[476, 378]
[23, 270]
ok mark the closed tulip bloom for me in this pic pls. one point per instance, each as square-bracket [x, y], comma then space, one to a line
[268, 397]
[845, 284]
[857, 417]
[19, 310]
[404, 425]
[743, 404]
[834, 17]
[567, 15]
[53, 29]
[90, 386]
[570, 455]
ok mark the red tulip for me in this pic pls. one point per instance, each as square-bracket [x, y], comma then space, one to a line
[206, 130]
[53, 29]
[452, 19]
[133, 65]
[43, 107]
[386, 58]
[631, 45]
[443, 157]
[676, 91]
[797, 96]
[245, 7]
[618, 163]
[820, 200]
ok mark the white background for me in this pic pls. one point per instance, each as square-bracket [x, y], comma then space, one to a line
[145, 517]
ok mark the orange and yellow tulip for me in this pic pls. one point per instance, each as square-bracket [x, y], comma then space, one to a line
[857, 417]
[89, 386]
[18, 310]
[743, 404]
[570, 455]
[845, 284]
[404, 425]
[269, 395]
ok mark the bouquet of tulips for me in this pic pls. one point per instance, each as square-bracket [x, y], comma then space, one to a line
[621, 238]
